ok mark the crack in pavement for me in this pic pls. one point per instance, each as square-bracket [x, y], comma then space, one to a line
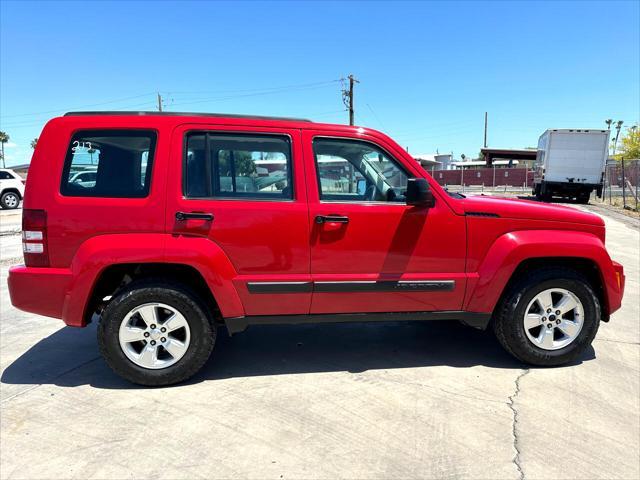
[617, 341]
[512, 398]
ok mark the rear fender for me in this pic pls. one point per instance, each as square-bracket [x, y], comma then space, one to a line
[511, 249]
[100, 252]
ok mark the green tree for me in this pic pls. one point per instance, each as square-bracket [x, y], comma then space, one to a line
[244, 165]
[630, 148]
[4, 138]
[34, 142]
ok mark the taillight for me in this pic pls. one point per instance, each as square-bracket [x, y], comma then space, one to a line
[34, 238]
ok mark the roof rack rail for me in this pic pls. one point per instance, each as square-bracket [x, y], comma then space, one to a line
[184, 114]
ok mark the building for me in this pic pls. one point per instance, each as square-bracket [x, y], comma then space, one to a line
[525, 158]
[478, 164]
[438, 161]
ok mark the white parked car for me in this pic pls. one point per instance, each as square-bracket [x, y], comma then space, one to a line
[85, 179]
[11, 188]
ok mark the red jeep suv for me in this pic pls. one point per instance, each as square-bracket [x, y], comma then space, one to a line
[169, 226]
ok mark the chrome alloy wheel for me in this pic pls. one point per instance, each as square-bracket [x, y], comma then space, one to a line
[11, 200]
[553, 319]
[154, 335]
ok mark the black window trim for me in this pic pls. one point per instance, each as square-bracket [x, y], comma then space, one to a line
[346, 201]
[66, 168]
[211, 167]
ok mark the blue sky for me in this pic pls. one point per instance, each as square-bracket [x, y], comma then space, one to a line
[428, 70]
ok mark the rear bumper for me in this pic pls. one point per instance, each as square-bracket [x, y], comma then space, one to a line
[39, 290]
[569, 187]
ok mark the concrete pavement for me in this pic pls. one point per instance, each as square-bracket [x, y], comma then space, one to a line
[10, 241]
[416, 400]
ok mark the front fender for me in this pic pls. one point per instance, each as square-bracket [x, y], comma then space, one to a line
[511, 249]
[102, 251]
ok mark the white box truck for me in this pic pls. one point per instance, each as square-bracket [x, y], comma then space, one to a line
[570, 163]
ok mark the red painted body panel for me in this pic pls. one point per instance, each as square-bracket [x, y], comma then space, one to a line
[278, 241]
[39, 290]
[263, 239]
[510, 249]
[384, 241]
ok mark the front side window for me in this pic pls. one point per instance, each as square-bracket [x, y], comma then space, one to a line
[108, 163]
[352, 170]
[238, 165]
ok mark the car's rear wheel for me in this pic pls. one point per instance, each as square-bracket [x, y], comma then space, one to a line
[549, 317]
[583, 198]
[9, 200]
[155, 333]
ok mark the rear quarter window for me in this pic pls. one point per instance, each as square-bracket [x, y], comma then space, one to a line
[109, 163]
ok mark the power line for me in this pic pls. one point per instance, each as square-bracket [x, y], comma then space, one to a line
[33, 122]
[231, 97]
[253, 90]
[77, 107]
[229, 94]
[376, 116]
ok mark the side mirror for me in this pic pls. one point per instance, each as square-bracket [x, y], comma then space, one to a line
[419, 194]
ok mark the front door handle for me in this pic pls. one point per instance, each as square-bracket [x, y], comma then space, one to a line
[181, 216]
[320, 219]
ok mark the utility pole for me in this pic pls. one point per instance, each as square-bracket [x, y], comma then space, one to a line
[347, 97]
[485, 129]
[159, 102]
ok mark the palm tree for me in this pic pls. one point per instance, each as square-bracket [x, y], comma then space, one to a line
[4, 138]
[34, 142]
[608, 121]
[618, 127]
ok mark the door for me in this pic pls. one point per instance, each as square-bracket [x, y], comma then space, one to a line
[243, 188]
[370, 252]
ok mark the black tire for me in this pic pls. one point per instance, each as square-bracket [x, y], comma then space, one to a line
[508, 319]
[201, 326]
[583, 198]
[10, 200]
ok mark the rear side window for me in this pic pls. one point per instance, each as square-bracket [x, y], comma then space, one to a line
[6, 176]
[238, 165]
[109, 163]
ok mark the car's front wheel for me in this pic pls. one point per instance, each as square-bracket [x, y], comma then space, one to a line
[9, 200]
[549, 317]
[155, 333]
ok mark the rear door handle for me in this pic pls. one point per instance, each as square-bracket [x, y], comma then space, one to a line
[320, 219]
[181, 216]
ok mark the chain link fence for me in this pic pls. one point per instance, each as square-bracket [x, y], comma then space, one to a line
[621, 184]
